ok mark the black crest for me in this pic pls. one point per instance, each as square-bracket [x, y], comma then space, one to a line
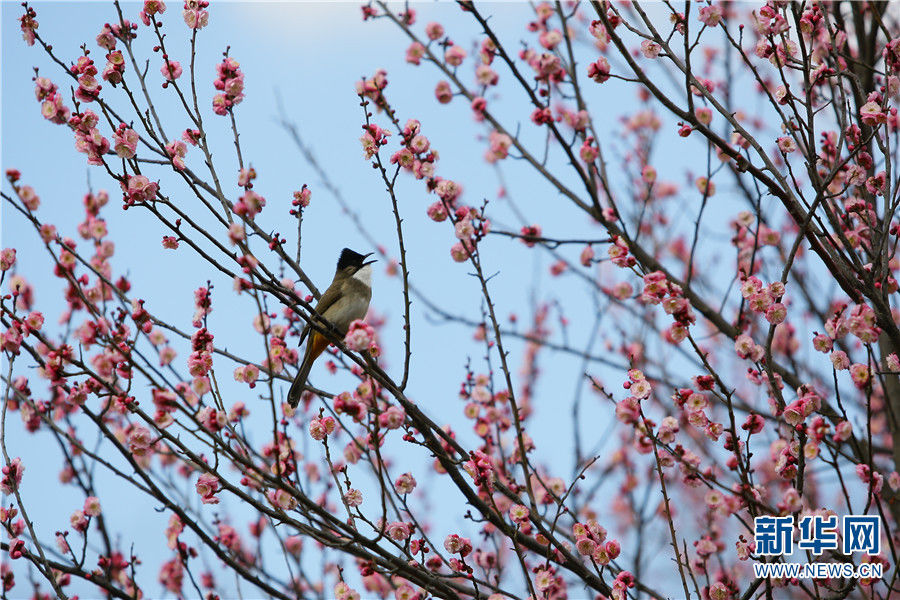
[349, 258]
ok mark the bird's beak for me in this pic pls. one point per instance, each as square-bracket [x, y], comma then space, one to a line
[369, 262]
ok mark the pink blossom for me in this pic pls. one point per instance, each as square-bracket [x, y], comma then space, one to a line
[843, 431]
[282, 499]
[194, 14]
[711, 15]
[479, 106]
[92, 506]
[360, 336]
[115, 67]
[519, 513]
[414, 53]
[399, 531]
[405, 483]
[650, 49]
[91, 143]
[499, 146]
[485, 75]
[704, 115]
[529, 235]
[171, 69]
[455, 544]
[207, 486]
[191, 136]
[249, 204]
[392, 418]
[776, 313]
[229, 81]
[33, 322]
[29, 197]
[448, 190]
[319, 429]
[171, 575]
[106, 39]
[891, 362]
[786, 144]
[140, 189]
[587, 256]
[442, 92]
[437, 212]
[140, 441]
[12, 476]
[871, 114]
[454, 55]
[589, 152]
[176, 149]
[434, 31]
[125, 141]
[860, 375]
[353, 497]
[343, 592]
[719, 591]
[550, 39]
[53, 109]
[894, 480]
[247, 374]
[302, 197]
[419, 144]
[7, 258]
[706, 187]
[151, 8]
[28, 24]
[78, 521]
[585, 546]
[599, 70]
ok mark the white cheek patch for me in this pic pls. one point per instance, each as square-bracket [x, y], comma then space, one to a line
[364, 275]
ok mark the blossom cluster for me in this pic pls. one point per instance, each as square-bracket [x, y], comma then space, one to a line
[230, 83]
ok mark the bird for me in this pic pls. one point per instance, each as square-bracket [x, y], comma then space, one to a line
[345, 300]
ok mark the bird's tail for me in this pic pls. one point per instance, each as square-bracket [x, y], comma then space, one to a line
[314, 347]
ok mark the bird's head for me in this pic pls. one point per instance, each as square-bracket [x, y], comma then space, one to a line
[351, 262]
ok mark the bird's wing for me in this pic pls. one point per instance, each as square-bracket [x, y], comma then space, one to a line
[330, 296]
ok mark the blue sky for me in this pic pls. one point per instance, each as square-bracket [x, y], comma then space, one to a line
[311, 54]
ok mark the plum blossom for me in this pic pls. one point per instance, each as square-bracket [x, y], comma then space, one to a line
[12, 476]
[434, 31]
[455, 544]
[871, 114]
[360, 336]
[414, 53]
[454, 55]
[405, 483]
[125, 141]
[786, 144]
[92, 506]
[195, 14]
[320, 428]
[353, 497]
[443, 93]
[176, 149]
[650, 49]
[171, 70]
[7, 258]
[399, 531]
[392, 418]
[140, 189]
[28, 24]
[230, 83]
[711, 15]
[207, 486]
[151, 8]
[599, 70]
